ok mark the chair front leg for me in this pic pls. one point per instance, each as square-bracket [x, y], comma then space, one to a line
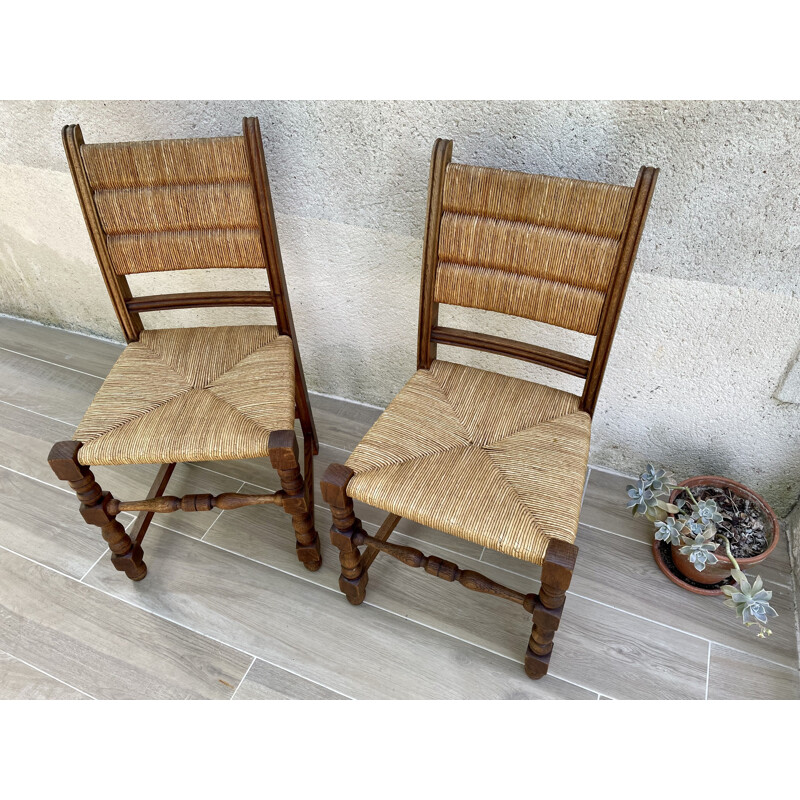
[557, 569]
[126, 555]
[299, 500]
[353, 578]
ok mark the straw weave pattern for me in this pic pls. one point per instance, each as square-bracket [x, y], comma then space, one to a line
[598, 209]
[521, 295]
[533, 246]
[172, 250]
[166, 162]
[192, 394]
[176, 204]
[176, 208]
[495, 460]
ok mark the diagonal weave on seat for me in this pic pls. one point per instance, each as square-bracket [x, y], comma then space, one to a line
[495, 460]
[192, 394]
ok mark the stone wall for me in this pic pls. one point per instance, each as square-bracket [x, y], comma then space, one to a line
[709, 331]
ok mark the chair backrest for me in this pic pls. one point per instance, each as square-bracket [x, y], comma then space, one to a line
[555, 250]
[158, 206]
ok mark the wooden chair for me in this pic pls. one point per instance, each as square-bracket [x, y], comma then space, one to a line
[496, 460]
[188, 394]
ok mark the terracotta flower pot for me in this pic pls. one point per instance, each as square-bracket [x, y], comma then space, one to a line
[720, 571]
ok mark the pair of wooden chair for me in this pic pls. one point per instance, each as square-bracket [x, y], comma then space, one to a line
[495, 460]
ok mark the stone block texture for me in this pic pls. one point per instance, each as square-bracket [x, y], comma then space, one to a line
[712, 321]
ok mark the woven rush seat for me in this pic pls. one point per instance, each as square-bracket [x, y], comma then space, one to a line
[495, 460]
[192, 394]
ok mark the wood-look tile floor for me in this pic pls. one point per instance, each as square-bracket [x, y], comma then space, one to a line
[226, 610]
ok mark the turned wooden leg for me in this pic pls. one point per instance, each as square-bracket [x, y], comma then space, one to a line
[353, 579]
[299, 500]
[557, 568]
[125, 554]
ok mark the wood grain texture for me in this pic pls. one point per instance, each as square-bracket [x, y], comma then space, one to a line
[43, 523]
[597, 647]
[342, 424]
[134, 481]
[18, 681]
[46, 389]
[623, 574]
[246, 604]
[105, 647]
[267, 682]
[604, 507]
[163, 302]
[534, 354]
[260, 475]
[72, 350]
[26, 439]
[739, 676]
[274, 261]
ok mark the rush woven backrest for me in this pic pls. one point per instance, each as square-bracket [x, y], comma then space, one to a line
[157, 206]
[178, 395]
[555, 250]
[497, 461]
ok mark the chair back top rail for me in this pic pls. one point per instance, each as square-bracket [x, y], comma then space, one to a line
[554, 250]
[175, 204]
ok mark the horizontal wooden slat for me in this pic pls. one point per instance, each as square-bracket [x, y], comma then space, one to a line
[562, 362]
[165, 302]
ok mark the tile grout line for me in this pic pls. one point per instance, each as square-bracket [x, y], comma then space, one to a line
[38, 480]
[38, 413]
[367, 602]
[381, 608]
[270, 566]
[167, 619]
[708, 670]
[246, 673]
[585, 484]
[51, 363]
[216, 519]
[760, 658]
[233, 552]
[39, 669]
[306, 580]
[99, 558]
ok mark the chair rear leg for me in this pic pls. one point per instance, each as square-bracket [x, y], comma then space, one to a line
[353, 578]
[299, 500]
[557, 569]
[126, 555]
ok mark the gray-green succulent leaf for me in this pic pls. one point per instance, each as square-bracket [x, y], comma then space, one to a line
[669, 530]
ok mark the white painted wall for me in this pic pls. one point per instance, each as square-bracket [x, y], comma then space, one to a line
[712, 319]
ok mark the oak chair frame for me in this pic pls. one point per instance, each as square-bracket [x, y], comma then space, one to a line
[296, 495]
[558, 565]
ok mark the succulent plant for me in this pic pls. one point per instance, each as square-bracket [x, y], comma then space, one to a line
[670, 530]
[693, 523]
[750, 602]
[656, 479]
[700, 550]
[706, 512]
[643, 499]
